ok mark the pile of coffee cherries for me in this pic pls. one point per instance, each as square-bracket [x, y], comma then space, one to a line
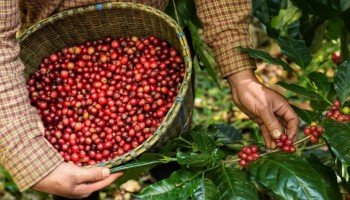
[100, 99]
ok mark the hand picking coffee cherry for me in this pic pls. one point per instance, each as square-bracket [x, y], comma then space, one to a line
[286, 144]
[248, 154]
[315, 132]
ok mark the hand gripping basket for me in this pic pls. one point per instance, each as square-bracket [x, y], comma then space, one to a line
[115, 19]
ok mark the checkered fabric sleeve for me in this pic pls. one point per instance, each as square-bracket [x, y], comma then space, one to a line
[226, 26]
[24, 152]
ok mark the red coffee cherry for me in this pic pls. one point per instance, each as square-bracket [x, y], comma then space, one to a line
[248, 154]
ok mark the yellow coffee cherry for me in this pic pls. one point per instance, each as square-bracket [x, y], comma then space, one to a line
[345, 110]
[313, 124]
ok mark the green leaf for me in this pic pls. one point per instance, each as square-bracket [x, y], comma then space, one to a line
[179, 142]
[345, 16]
[344, 5]
[288, 177]
[320, 81]
[204, 143]
[319, 105]
[192, 159]
[131, 174]
[265, 10]
[233, 184]
[299, 90]
[328, 176]
[306, 115]
[318, 36]
[136, 164]
[206, 190]
[181, 185]
[341, 81]
[216, 156]
[324, 155]
[296, 50]
[334, 28]
[287, 21]
[343, 172]
[135, 172]
[225, 134]
[266, 58]
[203, 51]
[337, 135]
[185, 10]
[261, 11]
[312, 30]
[324, 8]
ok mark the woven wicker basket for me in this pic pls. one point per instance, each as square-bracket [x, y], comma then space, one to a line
[115, 19]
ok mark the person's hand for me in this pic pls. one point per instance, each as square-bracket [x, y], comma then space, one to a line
[267, 108]
[71, 181]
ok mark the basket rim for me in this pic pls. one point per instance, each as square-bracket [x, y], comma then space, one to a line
[99, 7]
[184, 86]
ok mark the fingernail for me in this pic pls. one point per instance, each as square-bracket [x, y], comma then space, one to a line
[105, 173]
[276, 134]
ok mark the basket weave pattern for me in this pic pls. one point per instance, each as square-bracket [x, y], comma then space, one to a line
[116, 19]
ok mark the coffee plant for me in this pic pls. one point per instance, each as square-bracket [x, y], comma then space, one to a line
[215, 161]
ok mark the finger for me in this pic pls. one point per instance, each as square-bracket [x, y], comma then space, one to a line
[269, 142]
[90, 175]
[292, 126]
[272, 124]
[99, 185]
[290, 121]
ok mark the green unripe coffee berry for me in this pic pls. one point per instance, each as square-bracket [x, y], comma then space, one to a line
[345, 110]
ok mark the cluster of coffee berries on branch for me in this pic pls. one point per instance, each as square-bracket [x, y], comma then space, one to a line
[285, 144]
[338, 113]
[100, 99]
[248, 154]
[314, 132]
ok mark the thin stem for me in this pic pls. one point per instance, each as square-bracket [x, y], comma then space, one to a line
[315, 146]
[316, 90]
[231, 161]
[175, 9]
[168, 159]
[302, 140]
[271, 151]
[187, 142]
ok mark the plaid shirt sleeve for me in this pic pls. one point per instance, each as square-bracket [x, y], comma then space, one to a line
[226, 26]
[24, 152]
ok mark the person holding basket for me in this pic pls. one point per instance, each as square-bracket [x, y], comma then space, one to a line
[34, 163]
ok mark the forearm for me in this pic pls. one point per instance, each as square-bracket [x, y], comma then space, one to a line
[226, 26]
[23, 150]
